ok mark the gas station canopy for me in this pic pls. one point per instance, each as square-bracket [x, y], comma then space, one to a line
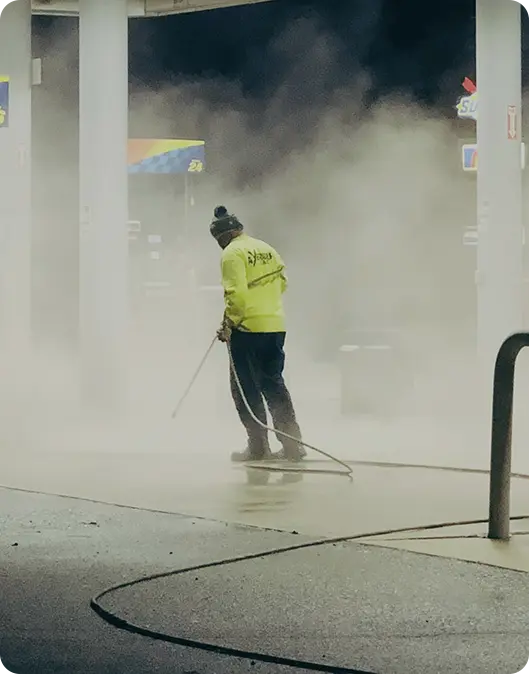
[139, 8]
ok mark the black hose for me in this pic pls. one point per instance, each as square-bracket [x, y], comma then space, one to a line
[347, 472]
[120, 623]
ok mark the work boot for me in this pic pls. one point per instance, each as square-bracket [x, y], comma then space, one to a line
[295, 455]
[250, 454]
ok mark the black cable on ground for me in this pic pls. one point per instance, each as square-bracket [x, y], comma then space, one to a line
[347, 472]
[371, 464]
[286, 467]
[120, 623]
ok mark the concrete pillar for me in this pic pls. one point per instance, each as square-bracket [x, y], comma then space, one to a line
[15, 189]
[499, 179]
[103, 201]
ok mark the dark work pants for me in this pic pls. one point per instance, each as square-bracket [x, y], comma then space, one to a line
[259, 360]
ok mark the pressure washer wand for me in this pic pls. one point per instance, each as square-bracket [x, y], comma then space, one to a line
[348, 470]
[193, 380]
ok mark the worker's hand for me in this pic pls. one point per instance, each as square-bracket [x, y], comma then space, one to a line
[224, 333]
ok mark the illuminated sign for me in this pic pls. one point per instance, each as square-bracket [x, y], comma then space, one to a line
[467, 107]
[4, 102]
[166, 156]
[469, 156]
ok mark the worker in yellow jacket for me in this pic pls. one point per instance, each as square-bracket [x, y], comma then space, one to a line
[254, 280]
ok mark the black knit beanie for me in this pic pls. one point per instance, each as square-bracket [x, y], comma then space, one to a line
[224, 222]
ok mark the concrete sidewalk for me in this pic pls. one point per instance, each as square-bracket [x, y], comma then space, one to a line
[55, 554]
[381, 611]
[206, 485]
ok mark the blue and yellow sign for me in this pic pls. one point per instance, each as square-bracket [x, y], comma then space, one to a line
[4, 102]
[166, 156]
[469, 156]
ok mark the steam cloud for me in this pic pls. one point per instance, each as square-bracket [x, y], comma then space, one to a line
[367, 204]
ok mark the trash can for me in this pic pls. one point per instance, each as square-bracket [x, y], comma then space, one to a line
[374, 375]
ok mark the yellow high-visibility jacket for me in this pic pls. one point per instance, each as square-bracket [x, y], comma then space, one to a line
[254, 280]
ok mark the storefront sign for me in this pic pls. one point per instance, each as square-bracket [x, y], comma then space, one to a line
[4, 101]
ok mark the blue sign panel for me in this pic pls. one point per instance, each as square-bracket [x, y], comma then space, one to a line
[4, 102]
[166, 156]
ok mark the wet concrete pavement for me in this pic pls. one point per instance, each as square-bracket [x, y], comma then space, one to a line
[386, 611]
[351, 607]
[55, 554]
[377, 499]
[383, 611]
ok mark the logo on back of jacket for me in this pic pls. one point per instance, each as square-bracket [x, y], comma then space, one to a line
[255, 258]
